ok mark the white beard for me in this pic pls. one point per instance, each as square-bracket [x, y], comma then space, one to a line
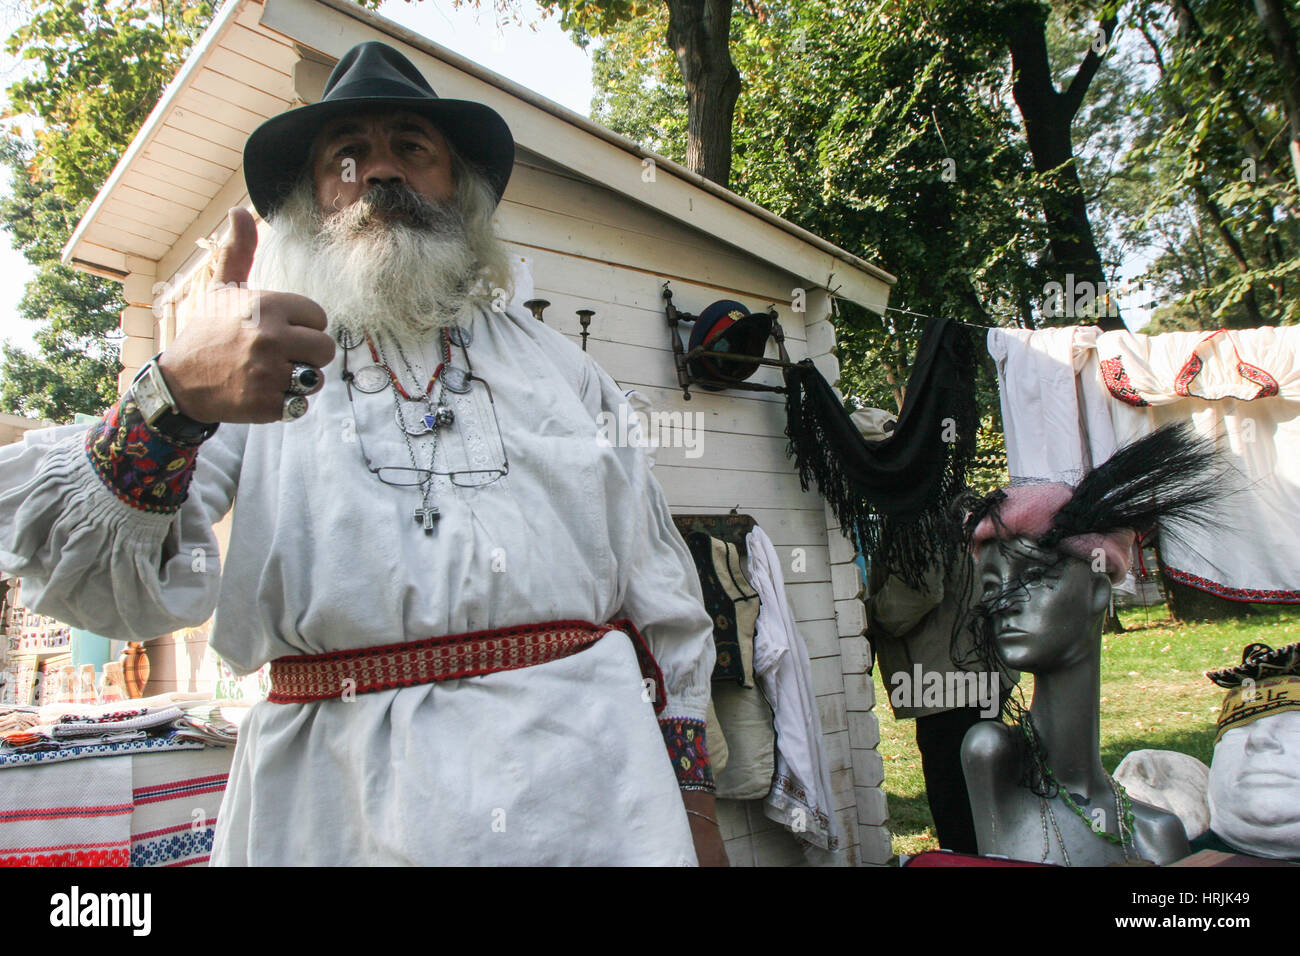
[370, 275]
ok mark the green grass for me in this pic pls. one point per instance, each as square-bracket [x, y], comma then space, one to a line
[1154, 695]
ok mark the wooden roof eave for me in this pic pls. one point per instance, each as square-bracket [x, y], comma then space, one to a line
[73, 254]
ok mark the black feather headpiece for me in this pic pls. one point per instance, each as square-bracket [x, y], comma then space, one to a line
[1170, 475]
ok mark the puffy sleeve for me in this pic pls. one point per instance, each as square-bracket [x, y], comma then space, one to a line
[110, 525]
[660, 588]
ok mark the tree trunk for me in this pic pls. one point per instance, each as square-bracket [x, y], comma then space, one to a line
[1282, 40]
[1048, 116]
[699, 35]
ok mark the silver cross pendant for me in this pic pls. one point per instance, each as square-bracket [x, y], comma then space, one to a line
[426, 516]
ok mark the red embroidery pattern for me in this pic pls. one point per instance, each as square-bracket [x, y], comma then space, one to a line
[1267, 383]
[1117, 381]
[192, 786]
[684, 737]
[1183, 383]
[1251, 595]
[115, 856]
[310, 677]
[137, 464]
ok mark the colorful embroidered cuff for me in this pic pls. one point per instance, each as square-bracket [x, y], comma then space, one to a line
[136, 463]
[690, 757]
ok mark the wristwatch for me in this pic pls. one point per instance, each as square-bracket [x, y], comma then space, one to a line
[151, 395]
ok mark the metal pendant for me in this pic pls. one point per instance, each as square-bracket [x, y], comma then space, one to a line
[459, 335]
[455, 379]
[370, 379]
[439, 418]
[349, 339]
[415, 428]
[426, 516]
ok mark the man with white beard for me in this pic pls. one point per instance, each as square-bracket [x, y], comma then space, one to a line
[484, 631]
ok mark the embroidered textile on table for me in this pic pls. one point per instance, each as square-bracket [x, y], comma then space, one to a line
[90, 748]
[176, 800]
[63, 816]
[136, 463]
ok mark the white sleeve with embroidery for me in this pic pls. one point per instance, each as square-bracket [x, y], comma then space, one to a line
[91, 560]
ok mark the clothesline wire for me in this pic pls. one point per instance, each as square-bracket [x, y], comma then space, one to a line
[923, 315]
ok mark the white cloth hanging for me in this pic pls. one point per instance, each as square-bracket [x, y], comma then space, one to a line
[1054, 431]
[800, 798]
[1241, 388]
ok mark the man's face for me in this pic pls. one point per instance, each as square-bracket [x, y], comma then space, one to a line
[353, 153]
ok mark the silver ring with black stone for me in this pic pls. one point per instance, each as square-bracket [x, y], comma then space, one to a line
[295, 406]
[305, 380]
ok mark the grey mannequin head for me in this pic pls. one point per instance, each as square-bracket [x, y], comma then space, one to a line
[1044, 608]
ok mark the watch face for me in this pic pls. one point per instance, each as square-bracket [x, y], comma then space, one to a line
[151, 395]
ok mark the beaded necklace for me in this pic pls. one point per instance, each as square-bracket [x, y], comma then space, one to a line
[397, 385]
[1123, 810]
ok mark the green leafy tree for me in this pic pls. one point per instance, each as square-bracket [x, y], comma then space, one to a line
[886, 132]
[99, 68]
[77, 366]
[699, 35]
[1199, 178]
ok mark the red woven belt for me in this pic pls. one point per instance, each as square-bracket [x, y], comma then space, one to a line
[299, 679]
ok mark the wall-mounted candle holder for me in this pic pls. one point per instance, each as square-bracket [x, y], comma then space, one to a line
[584, 319]
[537, 307]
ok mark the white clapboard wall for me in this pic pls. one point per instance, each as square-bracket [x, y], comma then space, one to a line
[590, 248]
[595, 231]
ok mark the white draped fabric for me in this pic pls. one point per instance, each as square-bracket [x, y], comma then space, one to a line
[1240, 388]
[1071, 396]
[800, 798]
[1053, 408]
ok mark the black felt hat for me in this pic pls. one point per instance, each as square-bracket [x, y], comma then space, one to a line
[372, 75]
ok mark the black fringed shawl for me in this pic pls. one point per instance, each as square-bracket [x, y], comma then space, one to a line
[895, 492]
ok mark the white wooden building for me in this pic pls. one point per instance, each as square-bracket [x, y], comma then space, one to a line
[598, 223]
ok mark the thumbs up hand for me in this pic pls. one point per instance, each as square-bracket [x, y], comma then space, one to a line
[232, 361]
